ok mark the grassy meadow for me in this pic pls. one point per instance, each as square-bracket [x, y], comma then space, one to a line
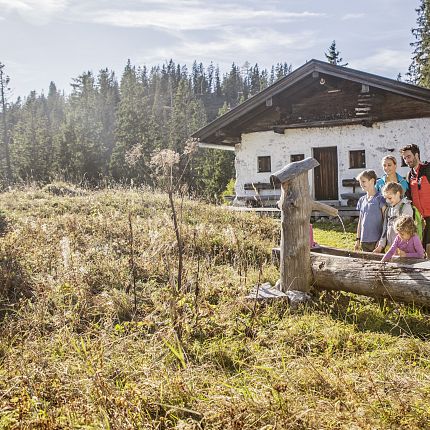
[95, 333]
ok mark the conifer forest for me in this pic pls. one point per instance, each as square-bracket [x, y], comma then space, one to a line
[107, 127]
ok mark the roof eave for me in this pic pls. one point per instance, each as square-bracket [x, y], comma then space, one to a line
[375, 81]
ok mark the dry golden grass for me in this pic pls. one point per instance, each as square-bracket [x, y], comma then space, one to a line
[75, 353]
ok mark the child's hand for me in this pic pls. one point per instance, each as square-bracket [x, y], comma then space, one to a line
[378, 249]
[401, 253]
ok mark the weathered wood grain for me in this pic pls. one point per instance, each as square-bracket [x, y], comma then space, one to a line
[403, 280]
[322, 207]
[295, 254]
[407, 283]
[293, 170]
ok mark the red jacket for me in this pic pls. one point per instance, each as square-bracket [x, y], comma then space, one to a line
[419, 184]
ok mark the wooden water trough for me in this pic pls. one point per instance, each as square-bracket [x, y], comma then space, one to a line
[404, 280]
[301, 268]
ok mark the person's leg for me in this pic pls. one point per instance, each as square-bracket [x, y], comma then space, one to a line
[426, 235]
[368, 246]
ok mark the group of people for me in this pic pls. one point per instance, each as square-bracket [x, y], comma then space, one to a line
[393, 206]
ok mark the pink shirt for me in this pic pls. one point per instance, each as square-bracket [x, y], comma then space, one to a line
[412, 247]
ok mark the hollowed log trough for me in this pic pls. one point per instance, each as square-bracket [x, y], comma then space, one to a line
[404, 280]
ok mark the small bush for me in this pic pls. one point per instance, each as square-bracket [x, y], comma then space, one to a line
[62, 189]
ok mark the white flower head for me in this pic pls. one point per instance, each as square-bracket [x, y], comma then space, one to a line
[133, 155]
[191, 146]
[165, 160]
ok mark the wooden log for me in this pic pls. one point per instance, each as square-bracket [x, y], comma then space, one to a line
[402, 280]
[322, 207]
[295, 253]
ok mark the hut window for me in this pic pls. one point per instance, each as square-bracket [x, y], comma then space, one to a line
[297, 157]
[357, 159]
[264, 164]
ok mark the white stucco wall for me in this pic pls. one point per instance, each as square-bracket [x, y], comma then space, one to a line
[375, 140]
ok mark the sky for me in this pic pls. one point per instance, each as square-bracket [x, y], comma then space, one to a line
[57, 40]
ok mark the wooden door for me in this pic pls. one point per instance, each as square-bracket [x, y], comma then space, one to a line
[325, 175]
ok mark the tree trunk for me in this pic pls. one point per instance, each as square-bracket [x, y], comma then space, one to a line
[295, 254]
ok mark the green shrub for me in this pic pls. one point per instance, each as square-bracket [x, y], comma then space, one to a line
[62, 189]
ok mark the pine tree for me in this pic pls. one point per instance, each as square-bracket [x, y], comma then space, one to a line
[217, 89]
[333, 56]
[232, 86]
[55, 112]
[107, 105]
[83, 126]
[32, 153]
[214, 169]
[254, 80]
[4, 82]
[419, 70]
[132, 150]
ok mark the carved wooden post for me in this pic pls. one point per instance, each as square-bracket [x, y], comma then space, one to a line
[296, 205]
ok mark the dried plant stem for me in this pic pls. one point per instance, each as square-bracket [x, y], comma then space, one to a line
[178, 240]
[197, 288]
[132, 264]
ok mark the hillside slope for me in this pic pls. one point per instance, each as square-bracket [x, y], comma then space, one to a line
[95, 334]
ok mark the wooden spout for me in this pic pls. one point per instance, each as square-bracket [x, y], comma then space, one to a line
[322, 207]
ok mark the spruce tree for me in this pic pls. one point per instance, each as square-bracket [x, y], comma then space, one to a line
[214, 169]
[4, 82]
[107, 105]
[32, 153]
[217, 84]
[419, 70]
[210, 77]
[132, 150]
[180, 121]
[254, 80]
[84, 130]
[333, 55]
[55, 106]
[232, 86]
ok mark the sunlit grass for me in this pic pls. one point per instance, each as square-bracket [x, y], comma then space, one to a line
[331, 233]
[74, 353]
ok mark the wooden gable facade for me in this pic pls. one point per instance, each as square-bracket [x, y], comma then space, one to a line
[307, 105]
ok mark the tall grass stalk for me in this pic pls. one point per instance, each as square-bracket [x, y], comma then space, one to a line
[74, 353]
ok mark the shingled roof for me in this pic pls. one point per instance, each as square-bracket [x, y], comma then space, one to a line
[319, 94]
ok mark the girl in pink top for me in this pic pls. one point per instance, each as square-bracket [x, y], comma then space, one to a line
[406, 243]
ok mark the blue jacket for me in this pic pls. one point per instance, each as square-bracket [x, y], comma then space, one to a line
[381, 182]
